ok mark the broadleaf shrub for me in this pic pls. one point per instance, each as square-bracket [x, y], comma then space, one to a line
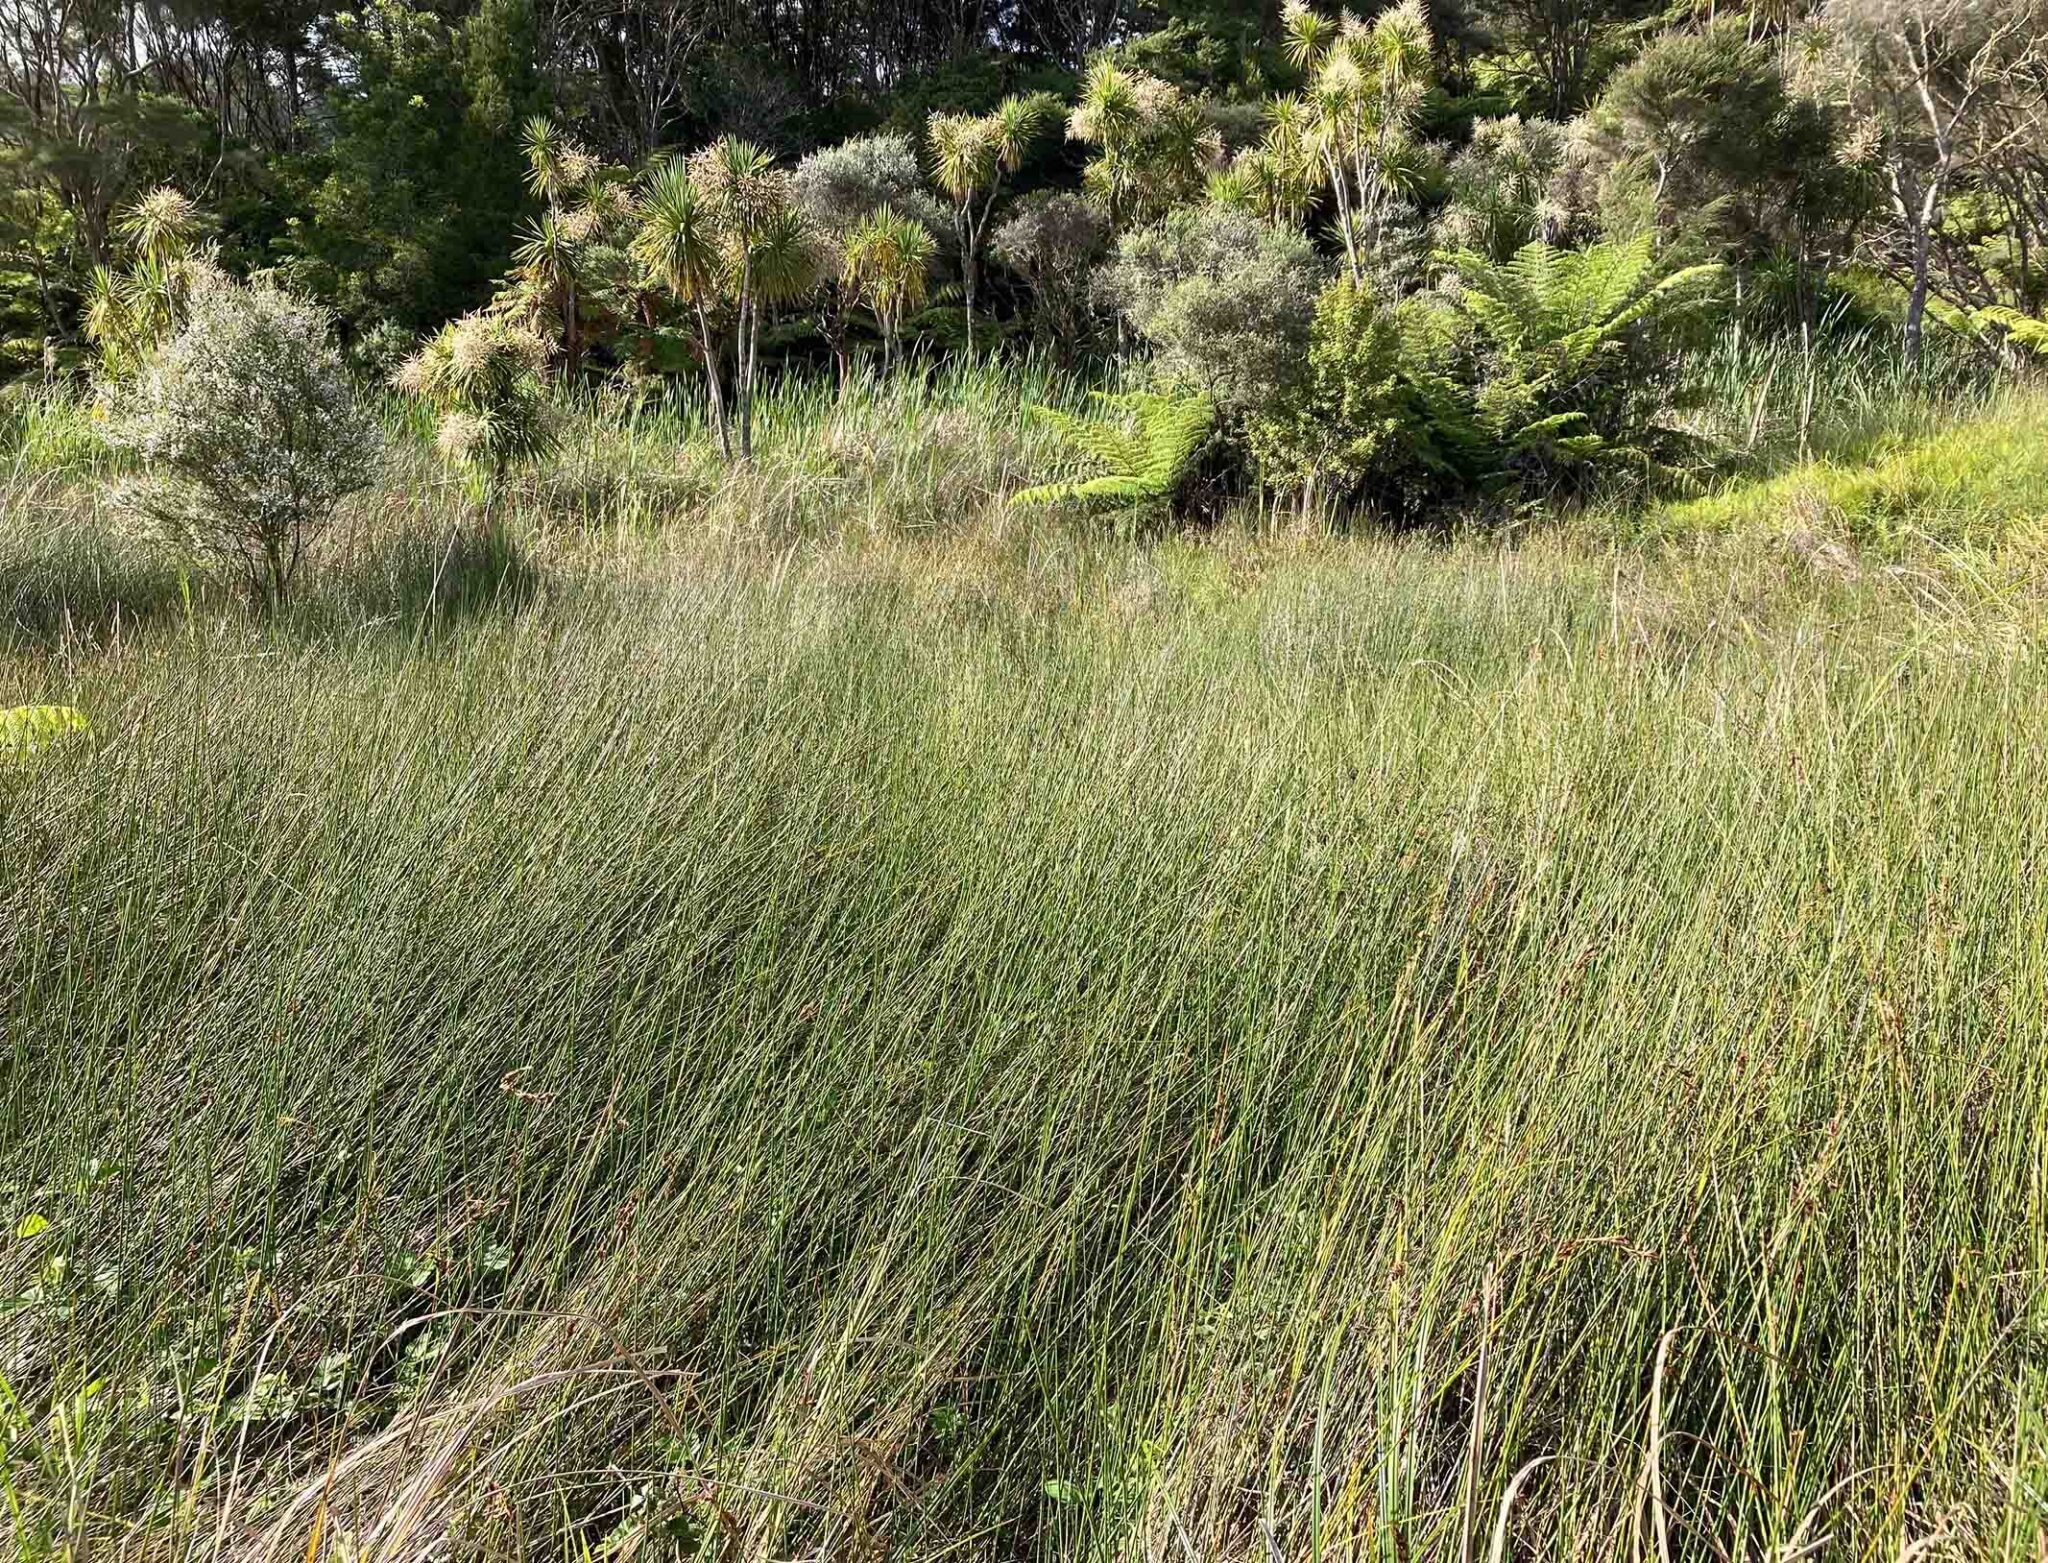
[1225, 299]
[247, 429]
[1375, 417]
[839, 185]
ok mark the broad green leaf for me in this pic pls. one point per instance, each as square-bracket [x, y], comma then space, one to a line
[25, 729]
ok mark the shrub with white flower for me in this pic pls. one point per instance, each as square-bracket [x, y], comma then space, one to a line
[247, 430]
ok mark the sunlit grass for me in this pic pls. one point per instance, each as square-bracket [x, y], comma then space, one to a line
[1042, 1050]
[1977, 481]
[816, 1017]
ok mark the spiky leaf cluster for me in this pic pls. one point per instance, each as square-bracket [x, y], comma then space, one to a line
[1354, 123]
[1499, 187]
[886, 264]
[485, 375]
[970, 153]
[1155, 146]
[130, 311]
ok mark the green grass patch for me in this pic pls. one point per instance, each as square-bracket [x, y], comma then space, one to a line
[1980, 483]
[1032, 1047]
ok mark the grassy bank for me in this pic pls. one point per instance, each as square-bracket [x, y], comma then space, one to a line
[1038, 1047]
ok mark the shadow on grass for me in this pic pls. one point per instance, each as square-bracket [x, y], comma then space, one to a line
[421, 580]
[87, 590]
[84, 591]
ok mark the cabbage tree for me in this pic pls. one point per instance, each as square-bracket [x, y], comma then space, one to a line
[886, 264]
[1366, 84]
[723, 237]
[971, 156]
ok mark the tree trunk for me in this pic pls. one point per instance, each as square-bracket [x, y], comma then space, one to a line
[708, 344]
[970, 232]
[1916, 300]
[749, 354]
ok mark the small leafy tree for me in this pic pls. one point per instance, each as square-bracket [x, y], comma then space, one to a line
[1146, 442]
[1367, 81]
[485, 376]
[247, 430]
[1702, 136]
[971, 157]
[129, 313]
[1052, 239]
[886, 264]
[1919, 79]
[837, 186]
[1224, 300]
[1382, 411]
[1155, 148]
[1338, 424]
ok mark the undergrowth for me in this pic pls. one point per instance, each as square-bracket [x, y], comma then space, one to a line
[822, 1018]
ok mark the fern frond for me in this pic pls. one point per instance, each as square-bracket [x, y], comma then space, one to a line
[1610, 275]
[1147, 441]
[2024, 330]
[1107, 444]
[1548, 428]
[1664, 293]
[25, 729]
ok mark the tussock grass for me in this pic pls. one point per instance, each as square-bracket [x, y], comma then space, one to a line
[1765, 400]
[798, 1013]
[1035, 1046]
[928, 452]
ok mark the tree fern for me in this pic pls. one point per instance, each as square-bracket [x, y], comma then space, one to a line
[1996, 325]
[1566, 385]
[1545, 303]
[1146, 441]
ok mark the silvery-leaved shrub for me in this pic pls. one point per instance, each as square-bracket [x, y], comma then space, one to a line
[1052, 240]
[1225, 300]
[247, 431]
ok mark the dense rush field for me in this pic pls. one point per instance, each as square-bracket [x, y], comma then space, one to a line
[728, 1041]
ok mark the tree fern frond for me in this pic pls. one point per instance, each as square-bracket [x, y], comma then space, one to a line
[1147, 441]
[1662, 294]
[2024, 330]
[1107, 444]
[1611, 275]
